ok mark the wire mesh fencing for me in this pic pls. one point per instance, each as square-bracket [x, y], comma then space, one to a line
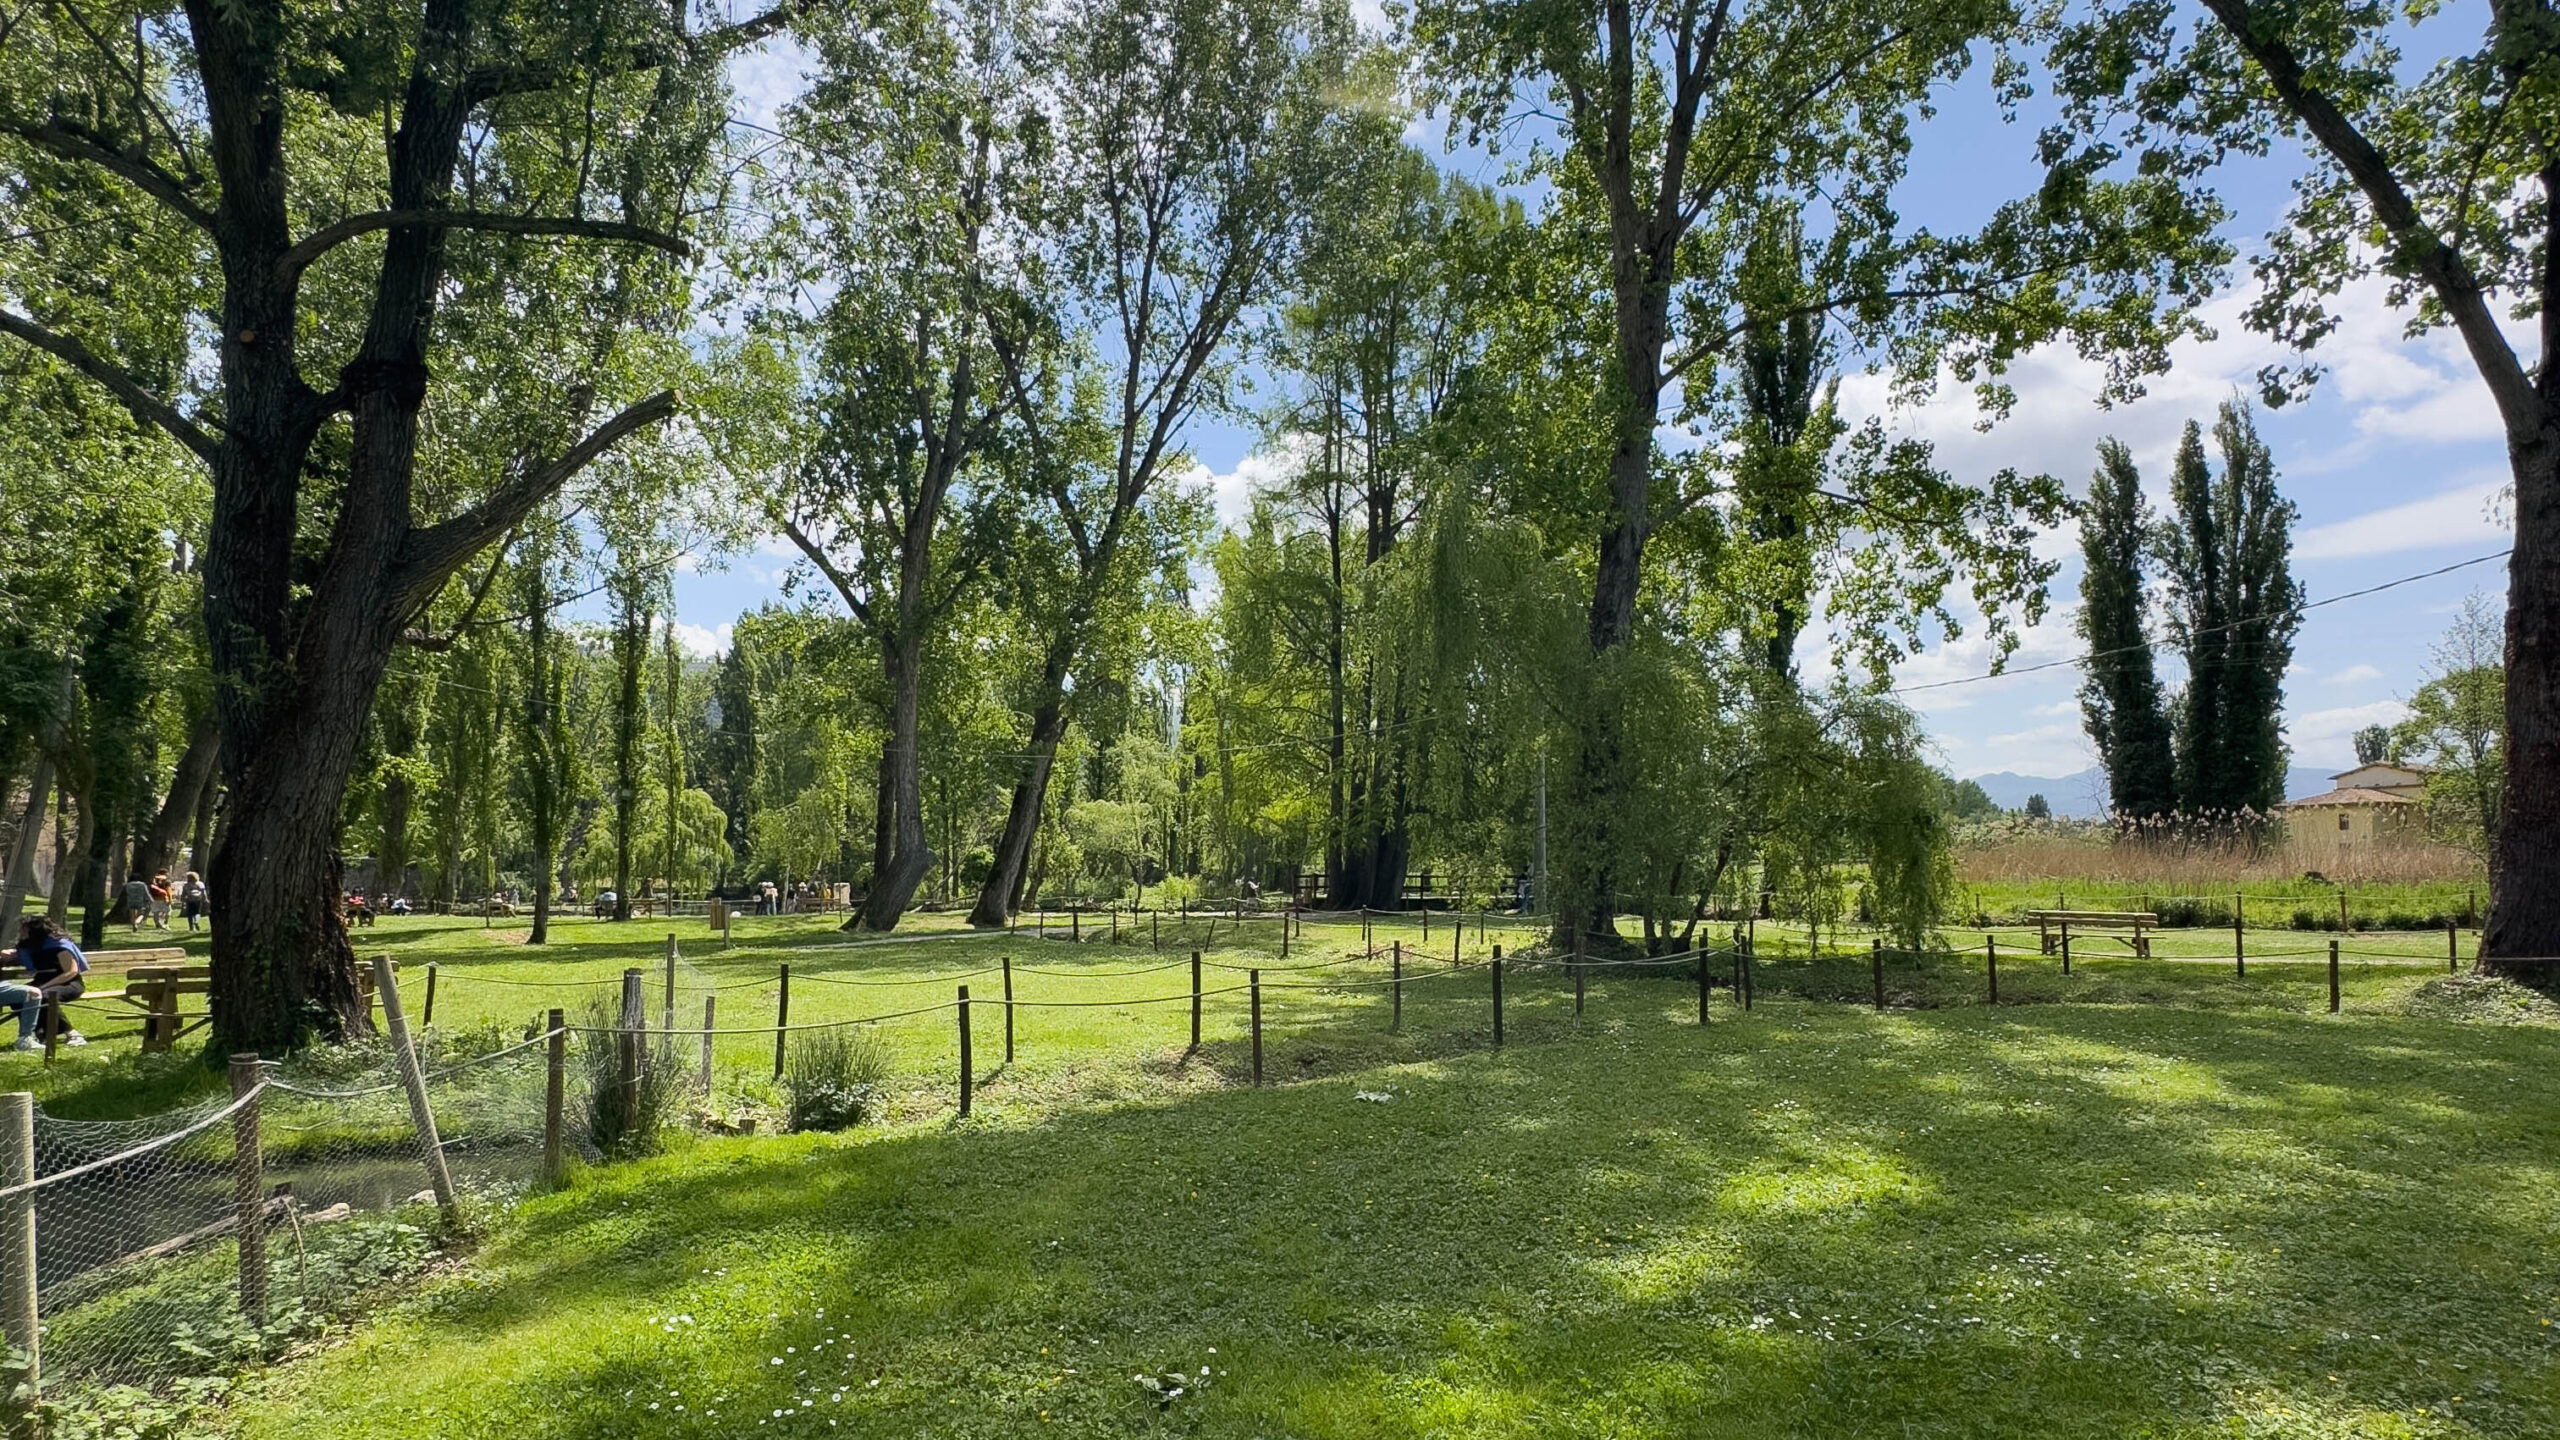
[142, 1262]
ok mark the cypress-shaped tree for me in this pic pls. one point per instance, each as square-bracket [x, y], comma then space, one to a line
[2120, 701]
[2228, 550]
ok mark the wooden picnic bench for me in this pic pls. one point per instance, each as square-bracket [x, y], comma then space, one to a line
[2052, 925]
[159, 992]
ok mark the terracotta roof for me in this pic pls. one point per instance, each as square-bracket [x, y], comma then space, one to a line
[2353, 795]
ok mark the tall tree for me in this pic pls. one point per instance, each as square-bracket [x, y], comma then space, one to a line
[452, 132]
[926, 114]
[1678, 127]
[2441, 182]
[547, 758]
[2227, 551]
[635, 595]
[1184, 137]
[2120, 702]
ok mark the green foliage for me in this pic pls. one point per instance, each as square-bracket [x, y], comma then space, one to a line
[2120, 701]
[628, 1117]
[2457, 726]
[833, 1079]
[2226, 549]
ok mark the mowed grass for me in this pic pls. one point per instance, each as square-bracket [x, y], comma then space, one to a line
[2219, 1212]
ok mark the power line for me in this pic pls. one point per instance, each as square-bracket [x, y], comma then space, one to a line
[2078, 661]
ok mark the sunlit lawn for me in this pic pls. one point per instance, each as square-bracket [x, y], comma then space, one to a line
[2216, 1212]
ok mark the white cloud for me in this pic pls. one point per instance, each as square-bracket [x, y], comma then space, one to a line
[702, 642]
[2467, 515]
[1232, 491]
[767, 77]
[2327, 737]
[2354, 675]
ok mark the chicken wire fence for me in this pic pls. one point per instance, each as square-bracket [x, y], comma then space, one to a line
[148, 1258]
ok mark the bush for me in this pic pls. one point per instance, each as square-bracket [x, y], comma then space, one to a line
[2178, 912]
[626, 1120]
[833, 1079]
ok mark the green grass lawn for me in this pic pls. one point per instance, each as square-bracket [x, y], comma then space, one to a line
[2194, 1206]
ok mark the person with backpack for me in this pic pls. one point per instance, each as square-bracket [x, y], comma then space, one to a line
[55, 965]
[193, 899]
[160, 900]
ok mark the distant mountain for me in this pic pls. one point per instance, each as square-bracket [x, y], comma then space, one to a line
[2083, 796]
[2079, 797]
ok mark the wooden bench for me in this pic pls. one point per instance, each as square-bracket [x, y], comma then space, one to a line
[2052, 925]
[159, 992]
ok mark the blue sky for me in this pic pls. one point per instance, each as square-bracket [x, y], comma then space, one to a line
[2395, 463]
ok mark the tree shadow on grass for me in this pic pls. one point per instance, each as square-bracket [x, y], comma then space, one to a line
[2050, 1222]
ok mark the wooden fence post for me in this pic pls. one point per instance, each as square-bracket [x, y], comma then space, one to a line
[18, 1259]
[1875, 961]
[710, 1009]
[1991, 966]
[781, 1021]
[1577, 969]
[1152, 942]
[555, 1076]
[1008, 1009]
[249, 1189]
[2239, 942]
[2333, 977]
[386, 985]
[1750, 966]
[2452, 948]
[2066, 947]
[1075, 921]
[1253, 984]
[427, 1011]
[1497, 995]
[1395, 989]
[1702, 987]
[667, 1017]
[967, 1080]
[1195, 1000]
[630, 1045]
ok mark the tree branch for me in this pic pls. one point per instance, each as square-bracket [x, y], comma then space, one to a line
[319, 242]
[170, 190]
[818, 556]
[150, 409]
[431, 553]
[422, 640]
[491, 82]
[2417, 244]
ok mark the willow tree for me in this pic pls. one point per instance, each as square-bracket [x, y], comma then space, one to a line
[353, 195]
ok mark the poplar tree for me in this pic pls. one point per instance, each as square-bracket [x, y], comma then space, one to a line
[2120, 701]
[2228, 554]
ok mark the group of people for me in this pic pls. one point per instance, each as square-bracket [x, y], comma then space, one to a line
[147, 902]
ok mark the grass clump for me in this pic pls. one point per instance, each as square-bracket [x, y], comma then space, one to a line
[2484, 999]
[628, 1115]
[834, 1079]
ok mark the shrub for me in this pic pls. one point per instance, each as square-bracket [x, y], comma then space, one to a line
[833, 1079]
[2179, 912]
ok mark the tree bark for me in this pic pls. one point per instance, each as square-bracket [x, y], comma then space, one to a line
[22, 849]
[1001, 893]
[168, 829]
[2524, 857]
[911, 858]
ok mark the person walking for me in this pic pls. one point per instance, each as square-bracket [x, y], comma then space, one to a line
[55, 965]
[137, 902]
[160, 900]
[193, 899]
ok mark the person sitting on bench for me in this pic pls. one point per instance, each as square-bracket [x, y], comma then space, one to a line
[55, 965]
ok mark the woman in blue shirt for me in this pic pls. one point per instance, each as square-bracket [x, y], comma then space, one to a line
[55, 965]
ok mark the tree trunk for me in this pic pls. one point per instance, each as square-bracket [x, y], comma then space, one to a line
[22, 849]
[159, 848]
[200, 843]
[911, 858]
[2524, 858]
[542, 755]
[94, 840]
[1001, 893]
